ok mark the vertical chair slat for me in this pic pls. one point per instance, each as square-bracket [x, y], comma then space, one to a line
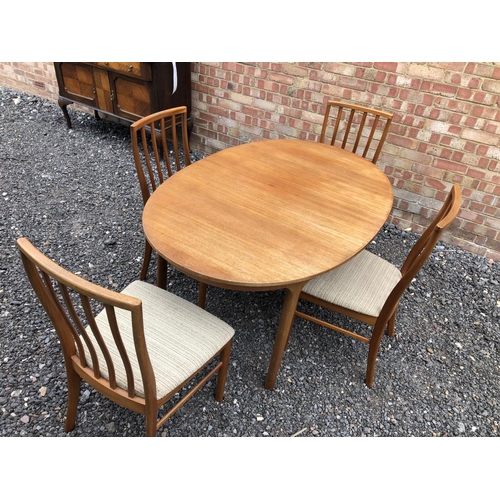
[348, 128]
[166, 123]
[81, 330]
[337, 123]
[367, 128]
[426, 239]
[57, 303]
[325, 124]
[185, 144]
[113, 324]
[370, 138]
[137, 146]
[382, 139]
[164, 146]
[157, 156]
[359, 134]
[163, 122]
[97, 335]
[147, 158]
[175, 142]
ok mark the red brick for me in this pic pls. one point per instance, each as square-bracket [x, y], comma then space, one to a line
[483, 163]
[493, 244]
[493, 223]
[478, 174]
[436, 184]
[477, 207]
[452, 166]
[494, 166]
[280, 78]
[454, 130]
[401, 141]
[480, 136]
[491, 128]
[441, 88]
[470, 147]
[470, 121]
[386, 66]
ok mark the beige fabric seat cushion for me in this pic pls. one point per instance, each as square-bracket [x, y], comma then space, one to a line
[180, 338]
[361, 284]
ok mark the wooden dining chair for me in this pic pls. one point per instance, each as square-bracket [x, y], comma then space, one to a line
[157, 156]
[352, 126]
[368, 288]
[138, 348]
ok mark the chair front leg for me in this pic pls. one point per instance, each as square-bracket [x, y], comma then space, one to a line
[151, 421]
[145, 264]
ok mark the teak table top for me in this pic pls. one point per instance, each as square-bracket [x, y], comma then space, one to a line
[268, 215]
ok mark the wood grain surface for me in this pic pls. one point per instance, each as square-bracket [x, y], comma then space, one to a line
[266, 214]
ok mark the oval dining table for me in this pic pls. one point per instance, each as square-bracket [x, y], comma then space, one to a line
[267, 215]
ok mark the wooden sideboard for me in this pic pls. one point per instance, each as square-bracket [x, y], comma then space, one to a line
[124, 90]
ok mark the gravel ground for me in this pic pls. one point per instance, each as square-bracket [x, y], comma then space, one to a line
[75, 194]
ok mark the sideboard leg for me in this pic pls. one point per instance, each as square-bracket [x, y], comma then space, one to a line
[63, 104]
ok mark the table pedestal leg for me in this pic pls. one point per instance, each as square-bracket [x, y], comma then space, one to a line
[286, 320]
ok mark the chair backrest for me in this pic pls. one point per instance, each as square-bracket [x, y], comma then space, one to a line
[423, 248]
[356, 126]
[71, 303]
[151, 137]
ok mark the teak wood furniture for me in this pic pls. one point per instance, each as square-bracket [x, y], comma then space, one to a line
[152, 158]
[267, 215]
[351, 127]
[124, 90]
[368, 288]
[141, 349]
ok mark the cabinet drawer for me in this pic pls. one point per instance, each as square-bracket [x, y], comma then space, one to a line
[137, 69]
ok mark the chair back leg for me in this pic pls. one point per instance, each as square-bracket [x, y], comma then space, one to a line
[73, 380]
[391, 325]
[222, 375]
[147, 258]
[202, 295]
[376, 338]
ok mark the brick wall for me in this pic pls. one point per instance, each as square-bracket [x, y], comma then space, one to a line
[37, 78]
[445, 126]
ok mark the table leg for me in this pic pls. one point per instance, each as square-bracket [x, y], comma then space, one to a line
[286, 320]
[161, 274]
